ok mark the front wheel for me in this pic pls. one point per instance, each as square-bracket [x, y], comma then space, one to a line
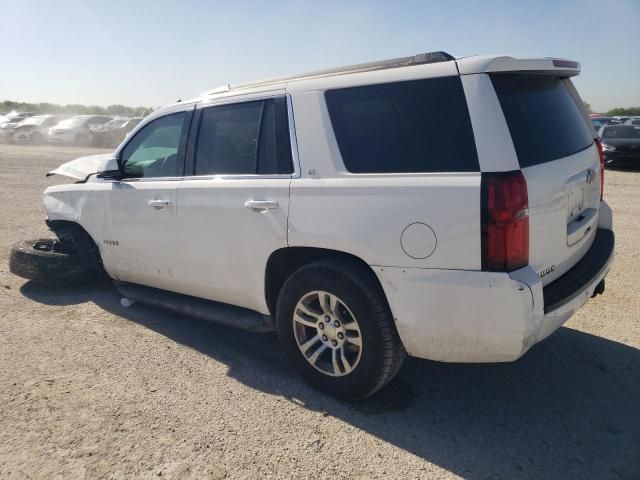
[47, 260]
[36, 138]
[337, 330]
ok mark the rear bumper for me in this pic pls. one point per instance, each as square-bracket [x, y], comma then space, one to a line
[567, 294]
[472, 316]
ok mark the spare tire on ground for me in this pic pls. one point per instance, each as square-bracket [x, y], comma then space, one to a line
[47, 260]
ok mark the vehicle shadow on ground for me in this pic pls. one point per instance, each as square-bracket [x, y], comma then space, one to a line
[570, 408]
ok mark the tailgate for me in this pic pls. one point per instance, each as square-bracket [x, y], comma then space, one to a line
[564, 197]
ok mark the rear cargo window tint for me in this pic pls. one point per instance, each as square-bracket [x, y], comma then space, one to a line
[415, 126]
[544, 120]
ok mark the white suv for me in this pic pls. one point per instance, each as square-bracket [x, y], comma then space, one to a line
[449, 209]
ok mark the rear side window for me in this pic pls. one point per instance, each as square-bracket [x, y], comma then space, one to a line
[244, 139]
[415, 126]
[544, 119]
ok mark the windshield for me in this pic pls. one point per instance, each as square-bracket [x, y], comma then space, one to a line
[34, 121]
[622, 131]
[72, 122]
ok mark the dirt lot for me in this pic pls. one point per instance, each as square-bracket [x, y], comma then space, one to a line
[89, 389]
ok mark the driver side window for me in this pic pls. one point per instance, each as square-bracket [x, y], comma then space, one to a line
[154, 150]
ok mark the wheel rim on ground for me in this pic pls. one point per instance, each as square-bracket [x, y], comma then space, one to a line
[327, 333]
[51, 245]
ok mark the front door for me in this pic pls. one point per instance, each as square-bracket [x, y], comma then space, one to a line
[233, 210]
[139, 234]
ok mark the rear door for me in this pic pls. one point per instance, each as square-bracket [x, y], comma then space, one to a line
[233, 207]
[557, 155]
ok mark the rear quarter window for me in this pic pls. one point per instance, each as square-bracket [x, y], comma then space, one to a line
[544, 119]
[413, 126]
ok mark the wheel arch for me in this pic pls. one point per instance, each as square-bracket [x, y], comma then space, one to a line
[82, 238]
[283, 262]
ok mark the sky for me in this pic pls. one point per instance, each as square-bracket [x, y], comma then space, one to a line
[150, 53]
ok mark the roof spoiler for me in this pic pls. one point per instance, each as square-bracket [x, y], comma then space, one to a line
[495, 64]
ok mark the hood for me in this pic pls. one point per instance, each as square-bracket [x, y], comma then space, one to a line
[620, 142]
[82, 167]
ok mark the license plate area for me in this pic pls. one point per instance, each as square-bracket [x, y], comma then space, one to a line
[575, 203]
[580, 218]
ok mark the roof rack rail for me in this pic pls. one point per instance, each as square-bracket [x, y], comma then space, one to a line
[420, 59]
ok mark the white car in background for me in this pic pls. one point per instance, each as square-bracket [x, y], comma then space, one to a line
[76, 130]
[33, 129]
[9, 122]
[448, 209]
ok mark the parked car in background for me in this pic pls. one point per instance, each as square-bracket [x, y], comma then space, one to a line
[112, 133]
[15, 116]
[599, 122]
[633, 121]
[621, 144]
[9, 122]
[76, 130]
[621, 118]
[33, 129]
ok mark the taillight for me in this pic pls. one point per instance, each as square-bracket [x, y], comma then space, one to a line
[505, 221]
[601, 154]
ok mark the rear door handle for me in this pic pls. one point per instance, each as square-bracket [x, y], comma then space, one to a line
[261, 205]
[159, 204]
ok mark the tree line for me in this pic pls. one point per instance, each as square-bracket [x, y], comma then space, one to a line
[622, 111]
[73, 109]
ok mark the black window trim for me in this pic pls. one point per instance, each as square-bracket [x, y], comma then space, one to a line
[248, 98]
[182, 148]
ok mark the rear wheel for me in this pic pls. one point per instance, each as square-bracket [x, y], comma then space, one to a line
[336, 328]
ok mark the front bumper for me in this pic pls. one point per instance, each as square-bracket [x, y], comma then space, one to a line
[472, 316]
[21, 136]
[61, 137]
[6, 135]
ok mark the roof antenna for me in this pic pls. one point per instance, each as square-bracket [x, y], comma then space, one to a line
[179, 100]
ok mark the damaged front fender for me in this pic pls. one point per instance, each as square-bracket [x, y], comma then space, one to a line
[81, 168]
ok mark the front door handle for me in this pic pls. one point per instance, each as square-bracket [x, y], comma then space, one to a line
[261, 205]
[159, 204]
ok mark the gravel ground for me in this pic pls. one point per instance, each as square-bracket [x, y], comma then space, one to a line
[89, 389]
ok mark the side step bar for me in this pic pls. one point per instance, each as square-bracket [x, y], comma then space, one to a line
[221, 313]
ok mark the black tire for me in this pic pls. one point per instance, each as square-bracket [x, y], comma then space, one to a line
[382, 352]
[36, 138]
[47, 260]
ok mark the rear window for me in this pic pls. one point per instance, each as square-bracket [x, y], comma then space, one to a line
[621, 131]
[415, 126]
[544, 119]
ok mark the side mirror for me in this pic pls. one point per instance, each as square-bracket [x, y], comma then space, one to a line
[110, 175]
